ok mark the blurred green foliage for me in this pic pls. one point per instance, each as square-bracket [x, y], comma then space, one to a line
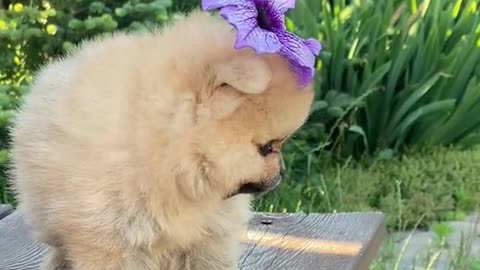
[32, 33]
[393, 73]
[184, 5]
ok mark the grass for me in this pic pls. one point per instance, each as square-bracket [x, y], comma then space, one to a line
[422, 186]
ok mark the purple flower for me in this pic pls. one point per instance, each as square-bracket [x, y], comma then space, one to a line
[260, 25]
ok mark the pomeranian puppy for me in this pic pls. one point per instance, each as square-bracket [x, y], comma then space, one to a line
[142, 151]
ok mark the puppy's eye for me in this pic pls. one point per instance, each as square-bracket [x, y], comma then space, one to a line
[266, 149]
[223, 84]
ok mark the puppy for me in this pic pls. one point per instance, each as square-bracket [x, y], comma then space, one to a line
[142, 151]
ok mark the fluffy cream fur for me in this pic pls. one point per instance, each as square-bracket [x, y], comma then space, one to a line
[128, 154]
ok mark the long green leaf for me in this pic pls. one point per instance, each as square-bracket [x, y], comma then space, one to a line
[400, 133]
[368, 85]
[375, 78]
[465, 116]
[413, 98]
[398, 68]
[471, 140]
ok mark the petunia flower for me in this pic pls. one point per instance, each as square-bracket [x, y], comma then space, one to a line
[260, 25]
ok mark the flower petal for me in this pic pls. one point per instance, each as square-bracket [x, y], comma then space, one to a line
[209, 5]
[275, 14]
[283, 5]
[248, 32]
[295, 49]
[299, 55]
[313, 45]
[304, 74]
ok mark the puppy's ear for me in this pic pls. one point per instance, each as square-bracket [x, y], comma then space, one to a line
[249, 75]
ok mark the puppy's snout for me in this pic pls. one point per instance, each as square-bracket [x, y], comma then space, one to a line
[264, 185]
[260, 187]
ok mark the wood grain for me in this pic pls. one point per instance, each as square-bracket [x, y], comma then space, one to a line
[5, 210]
[18, 251]
[347, 241]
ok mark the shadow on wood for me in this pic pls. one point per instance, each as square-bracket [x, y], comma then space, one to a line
[319, 241]
[5, 210]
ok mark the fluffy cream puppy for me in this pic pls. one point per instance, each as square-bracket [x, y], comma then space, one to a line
[142, 151]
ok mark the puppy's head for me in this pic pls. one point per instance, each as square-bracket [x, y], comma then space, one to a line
[248, 106]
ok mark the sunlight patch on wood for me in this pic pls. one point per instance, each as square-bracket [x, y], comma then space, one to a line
[302, 244]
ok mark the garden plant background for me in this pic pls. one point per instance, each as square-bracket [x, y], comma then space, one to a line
[396, 120]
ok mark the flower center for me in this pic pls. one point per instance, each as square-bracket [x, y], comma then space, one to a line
[263, 19]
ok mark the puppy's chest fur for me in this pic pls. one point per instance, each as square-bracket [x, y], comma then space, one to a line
[189, 228]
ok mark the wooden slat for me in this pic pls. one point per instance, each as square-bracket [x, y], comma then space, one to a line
[17, 249]
[346, 241]
[331, 241]
[5, 210]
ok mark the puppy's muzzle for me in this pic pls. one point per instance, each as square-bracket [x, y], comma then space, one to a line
[259, 188]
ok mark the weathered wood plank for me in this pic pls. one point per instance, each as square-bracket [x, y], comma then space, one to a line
[331, 241]
[17, 249]
[5, 210]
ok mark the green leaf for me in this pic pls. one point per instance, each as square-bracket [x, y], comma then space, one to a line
[400, 133]
[162, 3]
[75, 24]
[335, 111]
[33, 32]
[97, 7]
[386, 154]
[375, 78]
[120, 12]
[456, 9]
[319, 105]
[470, 140]
[473, 263]
[398, 67]
[359, 130]
[68, 46]
[90, 23]
[374, 102]
[51, 29]
[414, 97]
[289, 24]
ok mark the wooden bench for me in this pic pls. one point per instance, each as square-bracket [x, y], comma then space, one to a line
[344, 241]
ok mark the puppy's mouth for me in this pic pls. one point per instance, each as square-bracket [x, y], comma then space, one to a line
[257, 188]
